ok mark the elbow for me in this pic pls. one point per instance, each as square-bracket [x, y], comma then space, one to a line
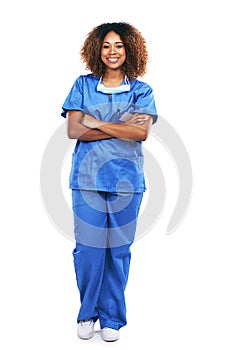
[71, 134]
[75, 135]
[144, 135]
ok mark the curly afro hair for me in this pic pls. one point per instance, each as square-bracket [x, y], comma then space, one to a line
[135, 46]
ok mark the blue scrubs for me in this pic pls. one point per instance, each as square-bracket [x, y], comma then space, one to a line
[107, 183]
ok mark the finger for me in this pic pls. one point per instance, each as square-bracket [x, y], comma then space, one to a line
[141, 120]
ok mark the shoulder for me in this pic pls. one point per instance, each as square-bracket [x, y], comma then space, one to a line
[139, 86]
[87, 78]
[84, 80]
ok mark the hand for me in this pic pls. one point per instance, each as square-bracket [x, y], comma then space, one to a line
[89, 121]
[137, 119]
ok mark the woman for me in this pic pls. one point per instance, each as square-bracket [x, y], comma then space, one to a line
[109, 112]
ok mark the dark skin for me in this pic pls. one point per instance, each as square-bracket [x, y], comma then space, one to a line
[86, 127]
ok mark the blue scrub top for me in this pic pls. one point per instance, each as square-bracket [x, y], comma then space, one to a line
[111, 165]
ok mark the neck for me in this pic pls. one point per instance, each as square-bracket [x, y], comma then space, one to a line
[113, 78]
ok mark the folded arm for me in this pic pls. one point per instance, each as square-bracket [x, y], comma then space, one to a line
[135, 128]
[87, 128]
[76, 130]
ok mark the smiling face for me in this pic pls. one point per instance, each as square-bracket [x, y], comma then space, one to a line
[113, 53]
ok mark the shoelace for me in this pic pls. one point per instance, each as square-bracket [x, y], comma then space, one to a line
[84, 322]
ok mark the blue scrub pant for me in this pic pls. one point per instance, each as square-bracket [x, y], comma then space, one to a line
[104, 226]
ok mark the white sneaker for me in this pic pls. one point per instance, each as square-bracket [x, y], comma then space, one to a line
[86, 329]
[109, 334]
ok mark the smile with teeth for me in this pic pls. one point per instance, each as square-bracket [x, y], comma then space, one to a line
[112, 59]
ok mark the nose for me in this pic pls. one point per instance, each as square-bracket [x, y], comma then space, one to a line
[112, 49]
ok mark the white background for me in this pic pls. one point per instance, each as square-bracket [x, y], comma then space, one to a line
[179, 294]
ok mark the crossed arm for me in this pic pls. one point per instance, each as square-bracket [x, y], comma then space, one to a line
[87, 128]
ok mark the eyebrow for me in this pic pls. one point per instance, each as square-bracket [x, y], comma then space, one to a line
[117, 42]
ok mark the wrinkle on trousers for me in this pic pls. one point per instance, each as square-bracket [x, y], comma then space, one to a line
[102, 254]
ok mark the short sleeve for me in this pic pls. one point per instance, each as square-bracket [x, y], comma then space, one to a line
[74, 100]
[144, 101]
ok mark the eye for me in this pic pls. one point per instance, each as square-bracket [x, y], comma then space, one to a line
[119, 46]
[105, 46]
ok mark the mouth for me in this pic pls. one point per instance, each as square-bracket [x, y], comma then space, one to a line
[112, 59]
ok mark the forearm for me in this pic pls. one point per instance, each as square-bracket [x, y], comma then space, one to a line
[123, 131]
[88, 134]
[94, 135]
[135, 128]
[76, 130]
